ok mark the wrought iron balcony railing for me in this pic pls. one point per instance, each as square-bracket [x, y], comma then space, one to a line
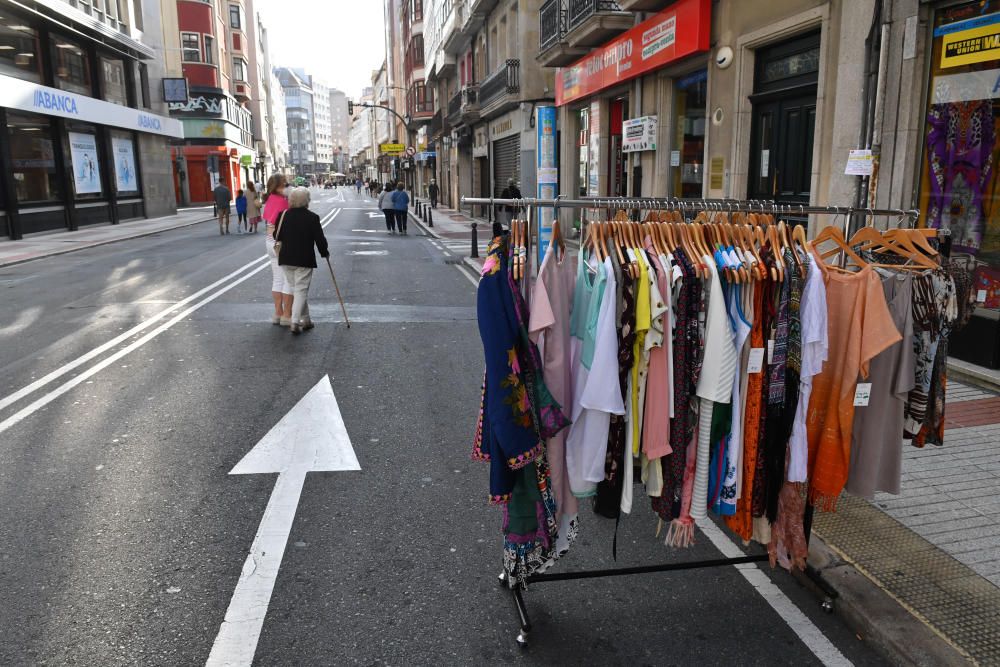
[581, 10]
[552, 24]
[505, 81]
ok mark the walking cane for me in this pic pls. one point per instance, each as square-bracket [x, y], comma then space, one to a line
[339, 298]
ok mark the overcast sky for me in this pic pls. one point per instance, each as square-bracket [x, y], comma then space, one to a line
[338, 41]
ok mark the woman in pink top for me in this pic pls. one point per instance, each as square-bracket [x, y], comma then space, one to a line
[275, 202]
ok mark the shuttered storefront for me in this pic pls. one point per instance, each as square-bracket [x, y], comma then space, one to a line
[506, 162]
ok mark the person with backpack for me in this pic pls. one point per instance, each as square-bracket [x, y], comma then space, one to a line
[401, 206]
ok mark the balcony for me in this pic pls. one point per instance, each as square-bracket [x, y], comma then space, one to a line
[498, 92]
[470, 103]
[553, 49]
[643, 5]
[594, 22]
[454, 40]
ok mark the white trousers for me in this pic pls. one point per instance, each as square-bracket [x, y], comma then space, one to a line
[299, 278]
[278, 281]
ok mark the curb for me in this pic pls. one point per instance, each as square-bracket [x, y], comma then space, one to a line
[981, 379]
[469, 262]
[420, 223]
[96, 244]
[876, 617]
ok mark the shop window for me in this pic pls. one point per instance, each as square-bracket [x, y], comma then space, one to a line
[19, 51]
[84, 157]
[33, 158]
[209, 50]
[71, 63]
[191, 46]
[124, 163]
[959, 187]
[687, 169]
[113, 85]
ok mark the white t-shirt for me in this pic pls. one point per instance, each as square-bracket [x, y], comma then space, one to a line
[815, 347]
[719, 365]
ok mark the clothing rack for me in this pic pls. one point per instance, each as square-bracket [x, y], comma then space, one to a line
[655, 203]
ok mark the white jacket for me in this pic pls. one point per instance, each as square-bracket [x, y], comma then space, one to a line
[385, 200]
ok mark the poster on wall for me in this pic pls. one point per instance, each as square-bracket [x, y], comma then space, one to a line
[639, 134]
[86, 167]
[125, 173]
[548, 175]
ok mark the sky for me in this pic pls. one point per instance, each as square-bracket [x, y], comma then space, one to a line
[339, 42]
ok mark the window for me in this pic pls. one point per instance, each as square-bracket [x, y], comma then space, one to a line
[20, 56]
[416, 11]
[418, 50]
[239, 70]
[71, 63]
[113, 84]
[191, 46]
[137, 14]
[33, 157]
[209, 50]
[144, 85]
[235, 17]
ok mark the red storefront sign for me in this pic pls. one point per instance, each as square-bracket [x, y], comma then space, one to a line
[674, 33]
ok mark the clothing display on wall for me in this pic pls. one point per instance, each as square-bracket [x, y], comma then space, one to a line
[720, 364]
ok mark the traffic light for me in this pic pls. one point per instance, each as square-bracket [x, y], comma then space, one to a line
[350, 108]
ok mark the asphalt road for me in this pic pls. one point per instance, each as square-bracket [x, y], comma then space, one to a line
[122, 535]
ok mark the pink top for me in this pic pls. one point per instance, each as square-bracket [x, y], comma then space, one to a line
[656, 427]
[273, 207]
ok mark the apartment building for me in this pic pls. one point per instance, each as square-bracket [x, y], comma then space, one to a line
[83, 128]
[340, 128]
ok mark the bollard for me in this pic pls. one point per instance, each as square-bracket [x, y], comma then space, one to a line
[425, 214]
[475, 242]
[430, 217]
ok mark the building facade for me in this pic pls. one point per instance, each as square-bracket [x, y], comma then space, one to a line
[322, 129]
[83, 137]
[299, 120]
[340, 127]
[218, 144]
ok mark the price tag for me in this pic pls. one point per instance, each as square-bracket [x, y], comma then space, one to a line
[981, 296]
[770, 352]
[862, 394]
[756, 362]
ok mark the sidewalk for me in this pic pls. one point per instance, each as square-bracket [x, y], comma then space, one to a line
[935, 548]
[36, 246]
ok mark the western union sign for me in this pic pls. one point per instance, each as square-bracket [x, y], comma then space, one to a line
[971, 46]
[392, 149]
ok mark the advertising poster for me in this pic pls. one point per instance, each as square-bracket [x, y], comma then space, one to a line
[125, 175]
[639, 134]
[548, 175]
[86, 168]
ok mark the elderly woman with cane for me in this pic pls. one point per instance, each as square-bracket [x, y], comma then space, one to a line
[297, 231]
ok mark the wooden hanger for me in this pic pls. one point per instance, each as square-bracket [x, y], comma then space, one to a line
[833, 234]
[557, 239]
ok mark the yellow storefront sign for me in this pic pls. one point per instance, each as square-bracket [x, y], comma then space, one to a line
[975, 45]
[392, 149]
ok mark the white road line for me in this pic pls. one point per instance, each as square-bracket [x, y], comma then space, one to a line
[41, 402]
[811, 636]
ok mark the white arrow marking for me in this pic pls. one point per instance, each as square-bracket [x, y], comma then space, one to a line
[376, 215]
[311, 437]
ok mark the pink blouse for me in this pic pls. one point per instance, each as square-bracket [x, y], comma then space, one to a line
[273, 207]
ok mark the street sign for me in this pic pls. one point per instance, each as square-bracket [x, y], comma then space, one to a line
[311, 437]
[391, 149]
[411, 151]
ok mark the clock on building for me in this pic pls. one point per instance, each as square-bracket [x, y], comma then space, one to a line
[175, 90]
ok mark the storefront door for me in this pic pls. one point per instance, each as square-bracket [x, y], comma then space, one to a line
[784, 121]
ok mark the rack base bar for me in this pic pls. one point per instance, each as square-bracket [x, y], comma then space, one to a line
[644, 569]
[522, 609]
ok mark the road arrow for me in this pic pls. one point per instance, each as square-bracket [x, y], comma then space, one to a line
[311, 437]
[375, 215]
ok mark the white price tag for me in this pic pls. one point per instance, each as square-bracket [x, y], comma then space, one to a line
[770, 352]
[981, 296]
[862, 394]
[756, 362]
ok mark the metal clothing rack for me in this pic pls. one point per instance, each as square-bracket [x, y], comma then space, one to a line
[654, 203]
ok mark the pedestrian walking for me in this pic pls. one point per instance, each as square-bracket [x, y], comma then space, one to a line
[401, 204]
[253, 207]
[357, 185]
[241, 212]
[298, 231]
[385, 205]
[433, 191]
[275, 203]
[223, 196]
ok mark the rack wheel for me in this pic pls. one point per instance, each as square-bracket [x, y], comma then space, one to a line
[827, 605]
[522, 639]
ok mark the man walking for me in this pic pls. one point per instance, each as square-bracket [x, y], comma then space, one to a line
[223, 196]
[433, 190]
[357, 185]
[401, 204]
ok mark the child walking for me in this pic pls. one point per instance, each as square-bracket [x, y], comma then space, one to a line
[241, 212]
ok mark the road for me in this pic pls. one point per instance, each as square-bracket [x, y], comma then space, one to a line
[123, 535]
